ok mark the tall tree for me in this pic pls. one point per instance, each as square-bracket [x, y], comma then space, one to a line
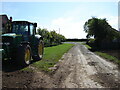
[99, 29]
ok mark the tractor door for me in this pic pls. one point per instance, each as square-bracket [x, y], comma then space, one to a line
[32, 38]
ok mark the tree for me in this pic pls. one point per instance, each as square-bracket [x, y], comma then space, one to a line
[99, 29]
[51, 38]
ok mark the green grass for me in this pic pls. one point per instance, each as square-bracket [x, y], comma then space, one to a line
[105, 55]
[86, 45]
[109, 57]
[27, 69]
[51, 56]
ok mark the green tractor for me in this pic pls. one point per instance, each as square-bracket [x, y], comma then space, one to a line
[21, 43]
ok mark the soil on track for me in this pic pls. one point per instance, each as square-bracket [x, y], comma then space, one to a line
[79, 68]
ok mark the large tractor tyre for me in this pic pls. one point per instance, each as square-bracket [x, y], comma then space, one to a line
[24, 55]
[40, 50]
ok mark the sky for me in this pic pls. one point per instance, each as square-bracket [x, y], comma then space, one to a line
[119, 15]
[66, 18]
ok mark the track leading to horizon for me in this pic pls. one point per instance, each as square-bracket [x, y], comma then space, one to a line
[81, 68]
[78, 68]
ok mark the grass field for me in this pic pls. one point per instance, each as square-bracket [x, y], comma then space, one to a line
[51, 56]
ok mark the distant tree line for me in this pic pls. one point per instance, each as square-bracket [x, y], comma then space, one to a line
[51, 38]
[101, 31]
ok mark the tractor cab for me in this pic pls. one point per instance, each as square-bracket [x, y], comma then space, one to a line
[23, 28]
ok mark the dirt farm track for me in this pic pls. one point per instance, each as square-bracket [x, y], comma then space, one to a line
[79, 68]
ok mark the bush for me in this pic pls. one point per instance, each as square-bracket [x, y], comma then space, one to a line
[91, 41]
[51, 38]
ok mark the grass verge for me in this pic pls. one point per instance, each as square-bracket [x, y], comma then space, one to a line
[51, 56]
[104, 55]
[86, 45]
[109, 57]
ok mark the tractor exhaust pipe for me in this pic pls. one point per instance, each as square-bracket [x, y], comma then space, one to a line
[10, 19]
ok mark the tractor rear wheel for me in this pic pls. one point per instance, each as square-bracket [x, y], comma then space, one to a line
[40, 50]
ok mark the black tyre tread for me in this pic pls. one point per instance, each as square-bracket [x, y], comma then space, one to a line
[21, 53]
[36, 57]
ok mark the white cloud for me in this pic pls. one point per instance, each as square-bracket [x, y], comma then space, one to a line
[69, 27]
[71, 22]
[112, 20]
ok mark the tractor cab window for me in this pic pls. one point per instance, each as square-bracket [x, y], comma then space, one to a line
[31, 29]
[19, 28]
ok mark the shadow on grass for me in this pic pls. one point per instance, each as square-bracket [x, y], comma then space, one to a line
[94, 49]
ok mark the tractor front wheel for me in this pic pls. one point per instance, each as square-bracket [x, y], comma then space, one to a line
[24, 55]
